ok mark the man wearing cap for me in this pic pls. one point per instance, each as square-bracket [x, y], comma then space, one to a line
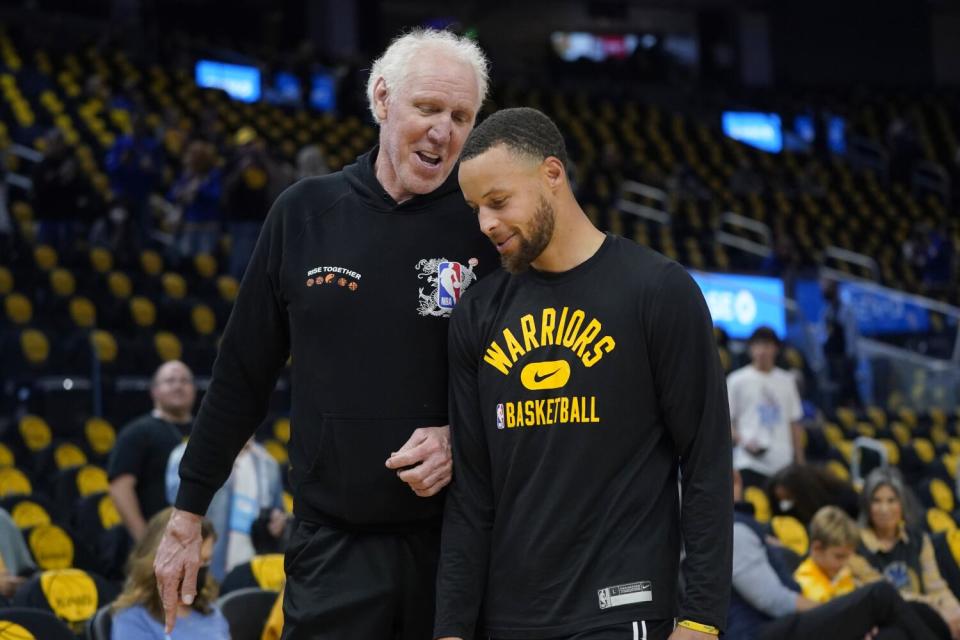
[765, 412]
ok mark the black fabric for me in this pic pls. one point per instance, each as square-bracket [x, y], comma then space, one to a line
[343, 279]
[900, 565]
[99, 626]
[850, 617]
[110, 546]
[648, 630]
[349, 585]
[142, 449]
[42, 624]
[578, 401]
[240, 577]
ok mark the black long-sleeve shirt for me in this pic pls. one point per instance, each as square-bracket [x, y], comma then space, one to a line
[358, 289]
[576, 400]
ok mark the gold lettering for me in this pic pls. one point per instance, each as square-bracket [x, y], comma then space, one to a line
[529, 327]
[497, 358]
[520, 422]
[511, 416]
[583, 341]
[541, 414]
[529, 414]
[575, 410]
[560, 327]
[516, 351]
[573, 327]
[593, 409]
[564, 410]
[605, 345]
[546, 328]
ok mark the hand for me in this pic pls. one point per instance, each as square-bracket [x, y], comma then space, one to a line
[9, 583]
[953, 621]
[872, 634]
[176, 564]
[277, 523]
[428, 453]
[682, 633]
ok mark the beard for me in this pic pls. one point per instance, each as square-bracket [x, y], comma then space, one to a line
[541, 232]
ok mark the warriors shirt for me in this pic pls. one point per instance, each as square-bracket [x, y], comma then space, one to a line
[577, 400]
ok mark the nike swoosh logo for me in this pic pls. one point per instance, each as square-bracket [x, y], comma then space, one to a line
[540, 378]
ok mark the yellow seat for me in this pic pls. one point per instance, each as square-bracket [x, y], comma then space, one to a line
[82, 312]
[791, 533]
[277, 450]
[143, 311]
[6, 281]
[761, 504]
[101, 260]
[281, 430]
[227, 287]
[267, 570]
[51, 547]
[18, 308]
[168, 346]
[91, 479]
[27, 514]
[62, 282]
[45, 257]
[119, 285]
[7, 458]
[34, 346]
[939, 520]
[104, 346]
[35, 432]
[174, 285]
[13, 482]
[151, 262]
[203, 319]
[100, 435]
[205, 264]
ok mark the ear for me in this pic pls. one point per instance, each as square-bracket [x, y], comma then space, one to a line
[553, 172]
[817, 546]
[380, 95]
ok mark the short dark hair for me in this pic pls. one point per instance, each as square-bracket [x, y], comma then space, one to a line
[764, 334]
[523, 130]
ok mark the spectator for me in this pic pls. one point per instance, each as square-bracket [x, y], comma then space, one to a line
[15, 560]
[139, 459]
[766, 603]
[62, 198]
[137, 611]
[765, 411]
[801, 490]
[254, 485]
[893, 543]
[310, 162]
[135, 166]
[246, 197]
[824, 575]
[197, 192]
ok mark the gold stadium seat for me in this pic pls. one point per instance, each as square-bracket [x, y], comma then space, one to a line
[6, 281]
[203, 319]
[27, 514]
[119, 285]
[35, 432]
[167, 346]
[104, 346]
[287, 502]
[18, 308]
[83, 313]
[45, 257]
[62, 282]
[151, 262]
[7, 459]
[227, 287]
[174, 285]
[34, 346]
[838, 470]
[205, 265]
[68, 455]
[91, 479]
[101, 260]
[100, 435]
[14, 482]
[924, 450]
[938, 520]
[281, 430]
[268, 571]
[791, 533]
[761, 504]
[277, 451]
[143, 311]
[73, 596]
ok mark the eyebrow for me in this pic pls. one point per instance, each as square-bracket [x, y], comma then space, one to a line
[492, 190]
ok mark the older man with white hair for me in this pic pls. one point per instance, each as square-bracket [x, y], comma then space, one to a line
[354, 275]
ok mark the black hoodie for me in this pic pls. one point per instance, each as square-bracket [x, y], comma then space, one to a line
[348, 282]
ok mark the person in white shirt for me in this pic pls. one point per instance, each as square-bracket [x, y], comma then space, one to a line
[765, 412]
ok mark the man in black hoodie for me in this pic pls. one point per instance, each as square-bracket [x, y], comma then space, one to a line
[354, 275]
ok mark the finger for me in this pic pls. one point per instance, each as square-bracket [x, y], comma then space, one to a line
[168, 596]
[419, 473]
[433, 485]
[415, 439]
[188, 591]
[427, 478]
[409, 457]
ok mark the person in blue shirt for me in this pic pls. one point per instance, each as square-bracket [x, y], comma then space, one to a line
[135, 167]
[138, 612]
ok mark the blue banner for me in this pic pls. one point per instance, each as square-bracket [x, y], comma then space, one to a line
[740, 304]
[877, 311]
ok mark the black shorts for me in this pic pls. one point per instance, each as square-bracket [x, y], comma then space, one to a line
[638, 630]
[357, 586]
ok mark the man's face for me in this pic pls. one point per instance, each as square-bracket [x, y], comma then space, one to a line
[763, 354]
[173, 390]
[424, 123]
[830, 559]
[512, 206]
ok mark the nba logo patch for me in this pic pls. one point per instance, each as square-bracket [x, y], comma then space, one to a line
[450, 281]
[501, 423]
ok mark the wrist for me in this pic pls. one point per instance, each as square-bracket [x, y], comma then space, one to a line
[696, 626]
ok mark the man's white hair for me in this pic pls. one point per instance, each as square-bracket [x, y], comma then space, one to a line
[394, 65]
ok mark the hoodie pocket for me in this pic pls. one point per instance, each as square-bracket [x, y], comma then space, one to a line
[348, 479]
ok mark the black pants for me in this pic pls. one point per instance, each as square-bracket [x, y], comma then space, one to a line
[359, 586]
[639, 630]
[852, 616]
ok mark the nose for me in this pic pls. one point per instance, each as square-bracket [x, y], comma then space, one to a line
[488, 221]
[439, 132]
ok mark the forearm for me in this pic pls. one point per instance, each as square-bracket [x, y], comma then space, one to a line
[123, 492]
[797, 432]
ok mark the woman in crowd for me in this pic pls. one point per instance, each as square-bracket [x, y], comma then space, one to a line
[138, 612]
[894, 544]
